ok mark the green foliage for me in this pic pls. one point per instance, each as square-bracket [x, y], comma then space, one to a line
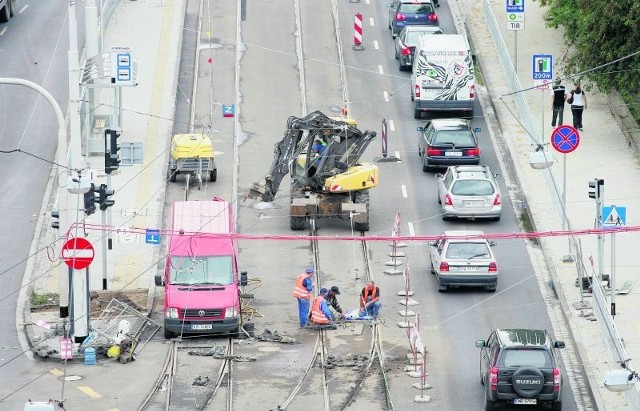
[600, 32]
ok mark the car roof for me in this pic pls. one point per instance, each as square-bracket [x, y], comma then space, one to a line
[415, 1]
[524, 337]
[462, 233]
[472, 172]
[444, 123]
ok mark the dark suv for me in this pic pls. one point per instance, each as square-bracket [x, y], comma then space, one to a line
[519, 366]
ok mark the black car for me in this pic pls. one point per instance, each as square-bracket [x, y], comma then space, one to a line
[407, 40]
[448, 142]
[403, 13]
[520, 366]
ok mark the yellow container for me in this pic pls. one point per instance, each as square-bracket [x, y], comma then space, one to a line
[191, 146]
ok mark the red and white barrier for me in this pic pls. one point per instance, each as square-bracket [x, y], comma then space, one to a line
[357, 36]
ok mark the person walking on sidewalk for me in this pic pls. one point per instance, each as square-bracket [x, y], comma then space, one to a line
[370, 299]
[302, 292]
[557, 103]
[320, 314]
[578, 101]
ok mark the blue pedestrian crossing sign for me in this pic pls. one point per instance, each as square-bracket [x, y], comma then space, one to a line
[152, 236]
[614, 217]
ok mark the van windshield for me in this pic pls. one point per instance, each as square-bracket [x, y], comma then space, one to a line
[201, 270]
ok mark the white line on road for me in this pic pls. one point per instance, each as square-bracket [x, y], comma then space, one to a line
[404, 191]
[371, 22]
[368, 2]
[386, 96]
[375, 44]
[380, 70]
[3, 31]
[411, 230]
[397, 153]
[392, 126]
[26, 6]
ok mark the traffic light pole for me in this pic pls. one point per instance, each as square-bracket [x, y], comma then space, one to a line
[104, 249]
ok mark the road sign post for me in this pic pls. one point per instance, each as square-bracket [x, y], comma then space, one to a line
[515, 22]
[565, 139]
[78, 253]
[613, 217]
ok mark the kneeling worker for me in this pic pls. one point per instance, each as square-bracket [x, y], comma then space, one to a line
[320, 314]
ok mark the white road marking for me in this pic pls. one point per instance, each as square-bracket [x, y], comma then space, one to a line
[371, 22]
[380, 70]
[26, 6]
[397, 153]
[3, 31]
[375, 44]
[404, 191]
[368, 2]
[392, 126]
[386, 96]
[411, 230]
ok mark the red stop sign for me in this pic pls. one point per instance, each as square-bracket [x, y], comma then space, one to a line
[77, 253]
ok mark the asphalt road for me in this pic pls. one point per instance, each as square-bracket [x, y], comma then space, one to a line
[33, 47]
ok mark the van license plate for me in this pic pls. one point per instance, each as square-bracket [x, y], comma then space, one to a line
[201, 326]
[525, 401]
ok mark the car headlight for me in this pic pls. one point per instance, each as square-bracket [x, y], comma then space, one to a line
[170, 312]
[231, 312]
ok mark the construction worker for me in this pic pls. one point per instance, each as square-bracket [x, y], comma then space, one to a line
[332, 300]
[370, 299]
[320, 313]
[302, 292]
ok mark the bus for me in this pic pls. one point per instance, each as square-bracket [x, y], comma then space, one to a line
[201, 280]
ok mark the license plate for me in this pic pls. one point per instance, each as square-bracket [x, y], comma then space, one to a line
[453, 153]
[530, 401]
[472, 203]
[201, 326]
[470, 268]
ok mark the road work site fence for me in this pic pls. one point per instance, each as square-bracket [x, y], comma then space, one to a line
[610, 335]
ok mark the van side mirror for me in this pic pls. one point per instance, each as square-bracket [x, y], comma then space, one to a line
[438, 175]
[243, 278]
[419, 128]
[481, 343]
[477, 129]
[558, 344]
[432, 243]
[492, 243]
[159, 280]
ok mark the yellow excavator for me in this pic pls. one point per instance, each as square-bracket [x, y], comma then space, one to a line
[322, 155]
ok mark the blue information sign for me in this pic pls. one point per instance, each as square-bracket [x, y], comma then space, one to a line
[152, 236]
[515, 6]
[542, 67]
[565, 139]
[228, 110]
[614, 217]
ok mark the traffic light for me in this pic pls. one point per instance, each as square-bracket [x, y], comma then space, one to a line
[104, 201]
[111, 148]
[55, 222]
[90, 200]
[596, 188]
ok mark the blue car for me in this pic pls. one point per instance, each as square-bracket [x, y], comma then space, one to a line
[403, 13]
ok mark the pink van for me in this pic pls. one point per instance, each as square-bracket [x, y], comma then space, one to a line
[201, 274]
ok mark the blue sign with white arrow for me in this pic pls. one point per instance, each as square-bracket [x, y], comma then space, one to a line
[152, 236]
[515, 6]
[614, 217]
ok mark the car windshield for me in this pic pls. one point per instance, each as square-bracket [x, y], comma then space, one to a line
[472, 188]
[467, 250]
[412, 8]
[525, 357]
[201, 270]
[412, 36]
[455, 137]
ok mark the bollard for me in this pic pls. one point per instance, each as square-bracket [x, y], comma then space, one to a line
[357, 36]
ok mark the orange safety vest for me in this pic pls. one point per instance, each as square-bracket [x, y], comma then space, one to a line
[367, 292]
[317, 316]
[300, 291]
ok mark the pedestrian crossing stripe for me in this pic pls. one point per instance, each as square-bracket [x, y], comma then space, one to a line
[614, 216]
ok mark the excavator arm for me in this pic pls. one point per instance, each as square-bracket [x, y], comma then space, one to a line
[344, 145]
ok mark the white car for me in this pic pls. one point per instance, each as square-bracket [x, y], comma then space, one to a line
[463, 258]
[469, 192]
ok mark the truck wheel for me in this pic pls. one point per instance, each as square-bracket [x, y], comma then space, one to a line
[362, 197]
[417, 114]
[5, 13]
[12, 9]
[214, 175]
[171, 174]
[298, 223]
[168, 334]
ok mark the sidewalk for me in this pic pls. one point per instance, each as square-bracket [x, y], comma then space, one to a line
[603, 153]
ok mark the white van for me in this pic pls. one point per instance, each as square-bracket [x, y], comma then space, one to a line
[442, 76]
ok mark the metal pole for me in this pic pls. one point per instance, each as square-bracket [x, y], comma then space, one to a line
[515, 52]
[600, 236]
[612, 283]
[109, 235]
[564, 191]
[104, 249]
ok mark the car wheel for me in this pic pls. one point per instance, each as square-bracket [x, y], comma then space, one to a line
[425, 166]
[496, 218]
[412, 98]
[439, 200]
[417, 114]
[297, 223]
[557, 406]
[5, 14]
[488, 404]
[168, 334]
[397, 55]
[433, 270]
[442, 288]
[214, 175]
[533, 381]
[400, 67]
[492, 288]
[469, 114]
[445, 217]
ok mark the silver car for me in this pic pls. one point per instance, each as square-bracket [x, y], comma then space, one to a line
[469, 192]
[463, 258]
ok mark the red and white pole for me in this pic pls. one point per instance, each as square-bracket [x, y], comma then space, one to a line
[357, 37]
